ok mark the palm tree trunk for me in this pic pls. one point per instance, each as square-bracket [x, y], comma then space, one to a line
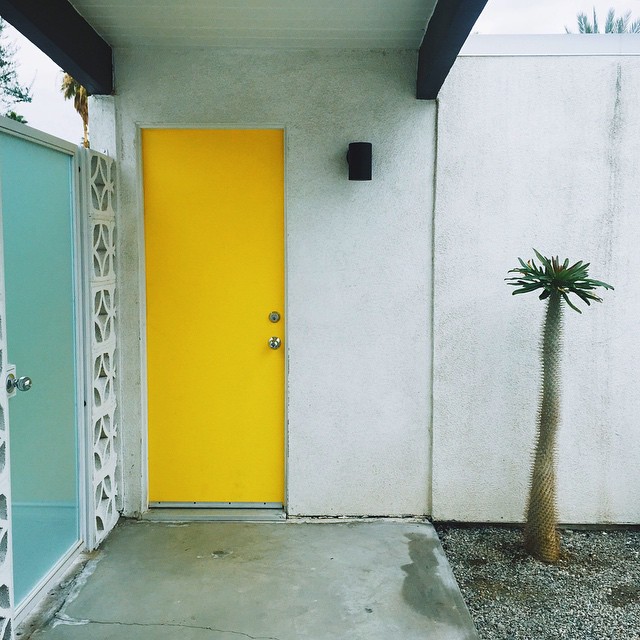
[85, 131]
[541, 536]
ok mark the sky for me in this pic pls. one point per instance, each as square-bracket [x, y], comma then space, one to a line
[51, 113]
[48, 111]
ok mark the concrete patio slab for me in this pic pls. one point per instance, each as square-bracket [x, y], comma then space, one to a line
[287, 581]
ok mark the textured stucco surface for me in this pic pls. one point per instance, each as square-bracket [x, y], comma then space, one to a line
[536, 152]
[102, 111]
[358, 259]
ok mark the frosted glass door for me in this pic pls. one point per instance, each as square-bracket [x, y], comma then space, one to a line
[36, 191]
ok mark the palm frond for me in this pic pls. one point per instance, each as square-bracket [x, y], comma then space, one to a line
[583, 24]
[555, 276]
[71, 88]
[610, 22]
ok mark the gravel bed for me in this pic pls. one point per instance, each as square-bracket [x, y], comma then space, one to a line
[593, 593]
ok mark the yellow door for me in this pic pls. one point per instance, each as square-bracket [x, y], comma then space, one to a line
[214, 234]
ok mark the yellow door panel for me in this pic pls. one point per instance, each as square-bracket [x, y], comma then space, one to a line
[214, 234]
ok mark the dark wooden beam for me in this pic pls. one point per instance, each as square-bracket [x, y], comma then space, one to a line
[449, 27]
[66, 37]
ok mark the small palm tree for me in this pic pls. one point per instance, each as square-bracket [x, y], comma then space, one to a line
[71, 88]
[613, 24]
[557, 281]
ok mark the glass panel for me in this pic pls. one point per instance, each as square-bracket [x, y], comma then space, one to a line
[38, 255]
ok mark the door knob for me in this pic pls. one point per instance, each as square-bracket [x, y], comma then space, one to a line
[23, 383]
[275, 342]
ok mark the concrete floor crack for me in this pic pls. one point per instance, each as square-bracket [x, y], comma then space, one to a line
[52, 607]
[63, 619]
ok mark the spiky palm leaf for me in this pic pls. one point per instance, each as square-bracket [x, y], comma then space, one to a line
[552, 275]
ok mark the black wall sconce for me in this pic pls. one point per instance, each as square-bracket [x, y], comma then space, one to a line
[359, 159]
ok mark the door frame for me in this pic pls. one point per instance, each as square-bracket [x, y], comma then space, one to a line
[82, 317]
[142, 292]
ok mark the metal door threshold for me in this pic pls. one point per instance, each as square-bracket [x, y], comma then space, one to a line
[214, 515]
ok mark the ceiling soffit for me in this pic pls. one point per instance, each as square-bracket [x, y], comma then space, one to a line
[277, 24]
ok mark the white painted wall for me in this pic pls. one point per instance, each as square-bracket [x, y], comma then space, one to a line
[536, 152]
[532, 151]
[358, 259]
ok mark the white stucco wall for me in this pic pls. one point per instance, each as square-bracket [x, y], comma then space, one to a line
[536, 152]
[102, 117]
[358, 259]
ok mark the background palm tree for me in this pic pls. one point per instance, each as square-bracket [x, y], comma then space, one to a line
[71, 88]
[613, 24]
[11, 91]
[557, 281]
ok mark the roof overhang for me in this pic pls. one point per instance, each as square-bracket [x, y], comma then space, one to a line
[449, 27]
[66, 37]
[81, 44]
